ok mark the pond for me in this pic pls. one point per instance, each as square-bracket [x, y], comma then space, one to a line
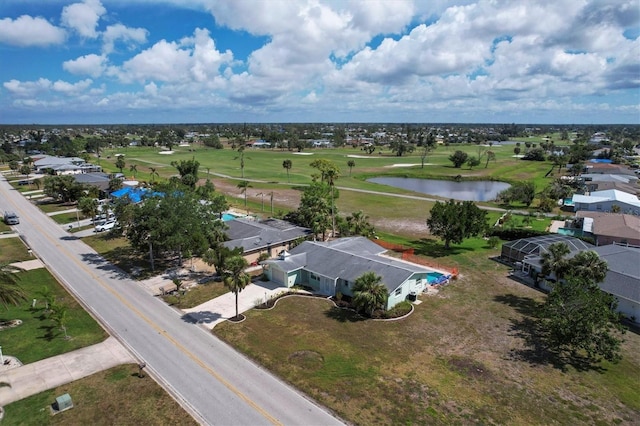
[481, 190]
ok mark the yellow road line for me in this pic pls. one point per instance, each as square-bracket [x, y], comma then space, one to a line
[181, 347]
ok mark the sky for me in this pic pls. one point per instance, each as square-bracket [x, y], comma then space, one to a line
[260, 61]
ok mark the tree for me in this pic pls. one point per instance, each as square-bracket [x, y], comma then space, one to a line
[60, 317]
[351, 164]
[188, 170]
[426, 146]
[473, 162]
[524, 192]
[241, 158]
[358, 224]
[88, 206]
[332, 175]
[120, 163]
[587, 265]
[491, 156]
[369, 293]
[134, 169]
[235, 277]
[287, 164]
[217, 256]
[454, 221]
[25, 170]
[314, 210]
[153, 172]
[554, 260]
[458, 158]
[63, 188]
[578, 320]
[10, 292]
[171, 224]
[243, 185]
[400, 146]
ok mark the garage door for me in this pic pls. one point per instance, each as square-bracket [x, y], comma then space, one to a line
[278, 276]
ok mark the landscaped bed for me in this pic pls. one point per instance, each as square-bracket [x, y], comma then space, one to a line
[459, 358]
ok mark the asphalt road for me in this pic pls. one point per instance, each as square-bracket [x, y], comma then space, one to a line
[216, 384]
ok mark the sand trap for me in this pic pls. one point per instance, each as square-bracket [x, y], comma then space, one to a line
[184, 144]
[302, 153]
[409, 165]
[518, 156]
[491, 146]
[360, 156]
[165, 152]
[118, 155]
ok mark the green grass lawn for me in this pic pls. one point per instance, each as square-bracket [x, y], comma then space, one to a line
[51, 207]
[113, 397]
[38, 338]
[13, 250]
[460, 358]
[266, 164]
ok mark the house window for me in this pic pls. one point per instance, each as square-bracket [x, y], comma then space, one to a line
[398, 291]
[314, 276]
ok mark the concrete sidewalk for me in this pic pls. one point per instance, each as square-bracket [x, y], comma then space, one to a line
[30, 379]
[215, 311]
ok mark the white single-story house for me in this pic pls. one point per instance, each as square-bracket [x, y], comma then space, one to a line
[64, 165]
[269, 236]
[332, 267]
[604, 201]
[622, 279]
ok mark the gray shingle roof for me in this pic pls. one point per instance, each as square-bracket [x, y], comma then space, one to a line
[348, 259]
[256, 235]
[623, 278]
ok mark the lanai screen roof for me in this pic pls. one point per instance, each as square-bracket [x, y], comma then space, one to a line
[516, 250]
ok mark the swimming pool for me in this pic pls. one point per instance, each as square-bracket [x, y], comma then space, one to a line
[433, 277]
[226, 217]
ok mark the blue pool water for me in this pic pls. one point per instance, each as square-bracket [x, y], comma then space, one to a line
[432, 277]
[227, 217]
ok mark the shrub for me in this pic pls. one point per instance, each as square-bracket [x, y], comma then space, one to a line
[493, 241]
[401, 309]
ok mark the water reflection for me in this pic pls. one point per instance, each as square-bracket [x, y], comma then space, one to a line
[465, 191]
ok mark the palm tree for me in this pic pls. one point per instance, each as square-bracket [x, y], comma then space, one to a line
[88, 206]
[554, 260]
[134, 169]
[235, 277]
[153, 172]
[588, 265]
[60, 318]
[243, 190]
[351, 164]
[120, 164]
[287, 164]
[369, 293]
[10, 291]
[359, 224]
[331, 176]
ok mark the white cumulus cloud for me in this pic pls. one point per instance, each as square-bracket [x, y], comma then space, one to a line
[91, 64]
[29, 31]
[118, 32]
[83, 17]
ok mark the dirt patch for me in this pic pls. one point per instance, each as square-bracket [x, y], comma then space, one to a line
[308, 360]
[469, 367]
[289, 199]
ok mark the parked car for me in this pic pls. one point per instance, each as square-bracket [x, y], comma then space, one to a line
[105, 225]
[10, 218]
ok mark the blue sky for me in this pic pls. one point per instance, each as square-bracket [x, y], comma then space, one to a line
[183, 61]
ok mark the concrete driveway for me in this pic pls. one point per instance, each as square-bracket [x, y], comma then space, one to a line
[213, 312]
